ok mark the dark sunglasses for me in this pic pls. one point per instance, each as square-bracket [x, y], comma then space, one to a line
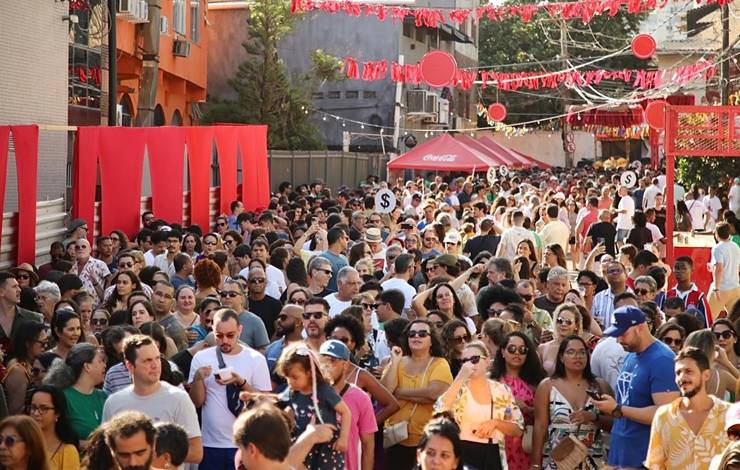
[526, 297]
[99, 321]
[257, 281]
[23, 277]
[430, 268]
[325, 271]
[10, 441]
[221, 224]
[671, 341]
[210, 243]
[727, 334]
[315, 315]
[472, 359]
[229, 294]
[419, 333]
[297, 301]
[521, 350]
[125, 265]
[642, 291]
[461, 339]
[733, 434]
[565, 321]
[369, 306]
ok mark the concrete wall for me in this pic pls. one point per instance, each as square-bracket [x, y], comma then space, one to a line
[226, 33]
[33, 86]
[548, 146]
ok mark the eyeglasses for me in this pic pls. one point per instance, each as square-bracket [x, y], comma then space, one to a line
[325, 271]
[642, 291]
[221, 224]
[315, 315]
[297, 301]
[125, 265]
[9, 441]
[36, 371]
[461, 339]
[228, 242]
[520, 350]
[42, 410]
[576, 353]
[80, 247]
[229, 293]
[99, 321]
[472, 359]
[23, 277]
[614, 271]
[44, 344]
[210, 243]
[430, 268]
[419, 333]
[495, 312]
[526, 297]
[256, 281]
[565, 321]
[727, 334]
[672, 341]
[369, 306]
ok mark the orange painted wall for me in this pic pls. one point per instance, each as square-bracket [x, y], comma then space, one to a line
[182, 80]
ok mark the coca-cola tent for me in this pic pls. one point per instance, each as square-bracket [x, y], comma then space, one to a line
[443, 153]
[500, 157]
[520, 159]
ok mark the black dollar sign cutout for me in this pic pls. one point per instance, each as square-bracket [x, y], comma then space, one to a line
[384, 202]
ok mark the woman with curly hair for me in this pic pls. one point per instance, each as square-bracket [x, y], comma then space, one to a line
[191, 245]
[444, 298]
[207, 277]
[120, 241]
[455, 336]
[125, 282]
[567, 319]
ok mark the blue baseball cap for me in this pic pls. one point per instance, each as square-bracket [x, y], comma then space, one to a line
[335, 348]
[625, 318]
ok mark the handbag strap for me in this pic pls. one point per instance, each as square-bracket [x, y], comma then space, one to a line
[413, 410]
[220, 358]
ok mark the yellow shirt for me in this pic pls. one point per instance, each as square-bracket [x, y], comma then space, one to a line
[439, 370]
[673, 445]
[66, 458]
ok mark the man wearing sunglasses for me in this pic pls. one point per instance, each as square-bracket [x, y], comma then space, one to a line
[688, 432]
[253, 330]
[603, 306]
[315, 316]
[288, 330]
[264, 306]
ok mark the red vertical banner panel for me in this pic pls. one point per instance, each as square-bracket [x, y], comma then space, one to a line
[256, 176]
[226, 144]
[166, 151]
[84, 170]
[199, 142]
[121, 168]
[26, 141]
[4, 143]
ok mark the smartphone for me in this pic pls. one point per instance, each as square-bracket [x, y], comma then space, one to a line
[593, 394]
[218, 377]
[407, 226]
[601, 240]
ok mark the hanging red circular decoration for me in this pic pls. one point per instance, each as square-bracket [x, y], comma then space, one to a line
[643, 46]
[438, 68]
[655, 114]
[497, 112]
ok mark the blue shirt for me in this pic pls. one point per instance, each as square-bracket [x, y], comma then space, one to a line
[337, 263]
[642, 374]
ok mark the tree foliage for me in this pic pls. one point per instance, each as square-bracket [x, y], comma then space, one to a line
[706, 171]
[537, 44]
[266, 95]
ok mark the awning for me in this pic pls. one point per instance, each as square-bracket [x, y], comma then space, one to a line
[443, 153]
[500, 158]
[518, 160]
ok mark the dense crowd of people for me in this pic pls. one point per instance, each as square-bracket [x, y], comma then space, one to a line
[525, 322]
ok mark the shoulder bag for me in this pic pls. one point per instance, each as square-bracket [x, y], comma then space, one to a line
[399, 432]
[233, 402]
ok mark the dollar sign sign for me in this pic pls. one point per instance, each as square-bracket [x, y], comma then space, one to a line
[384, 202]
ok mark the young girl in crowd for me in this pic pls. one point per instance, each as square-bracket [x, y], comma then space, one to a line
[312, 400]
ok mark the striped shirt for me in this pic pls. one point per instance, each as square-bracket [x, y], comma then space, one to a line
[603, 307]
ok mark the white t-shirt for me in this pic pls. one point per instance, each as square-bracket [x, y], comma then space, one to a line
[510, 238]
[624, 221]
[217, 419]
[727, 253]
[697, 209]
[408, 290]
[336, 306]
[713, 205]
[271, 289]
[555, 232]
[168, 404]
[734, 198]
[657, 235]
[607, 360]
[164, 265]
[648, 198]
[661, 182]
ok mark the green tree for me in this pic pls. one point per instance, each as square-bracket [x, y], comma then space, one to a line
[266, 95]
[706, 171]
[536, 47]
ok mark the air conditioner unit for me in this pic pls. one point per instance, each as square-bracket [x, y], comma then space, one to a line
[181, 48]
[126, 8]
[432, 101]
[142, 15]
[415, 101]
[444, 111]
[164, 25]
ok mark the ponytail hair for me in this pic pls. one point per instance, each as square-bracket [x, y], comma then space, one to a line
[64, 374]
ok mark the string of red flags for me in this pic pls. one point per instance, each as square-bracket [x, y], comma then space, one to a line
[512, 81]
[585, 10]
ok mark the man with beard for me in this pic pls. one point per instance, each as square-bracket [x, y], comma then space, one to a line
[645, 382]
[244, 367]
[688, 432]
[130, 438]
[288, 328]
[159, 400]
[315, 316]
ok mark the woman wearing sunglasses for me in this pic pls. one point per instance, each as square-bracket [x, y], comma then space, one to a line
[485, 410]
[22, 445]
[563, 407]
[416, 375]
[516, 364]
[455, 336]
[567, 322]
[725, 334]
[721, 384]
[29, 342]
[672, 334]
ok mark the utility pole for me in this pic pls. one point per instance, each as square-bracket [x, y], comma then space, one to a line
[112, 66]
[150, 69]
[567, 131]
[724, 71]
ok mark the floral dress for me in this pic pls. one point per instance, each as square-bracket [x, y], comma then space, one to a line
[516, 458]
[560, 427]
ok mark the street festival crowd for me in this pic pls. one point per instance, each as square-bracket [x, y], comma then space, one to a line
[520, 320]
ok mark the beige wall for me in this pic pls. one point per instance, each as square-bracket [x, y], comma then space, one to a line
[33, 86]
[548, 146]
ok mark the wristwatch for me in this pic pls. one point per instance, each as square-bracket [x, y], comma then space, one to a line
[617, 411]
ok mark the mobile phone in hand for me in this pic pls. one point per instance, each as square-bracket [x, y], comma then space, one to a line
[593, 394]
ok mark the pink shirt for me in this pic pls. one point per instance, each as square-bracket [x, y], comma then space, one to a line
[363, 422]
